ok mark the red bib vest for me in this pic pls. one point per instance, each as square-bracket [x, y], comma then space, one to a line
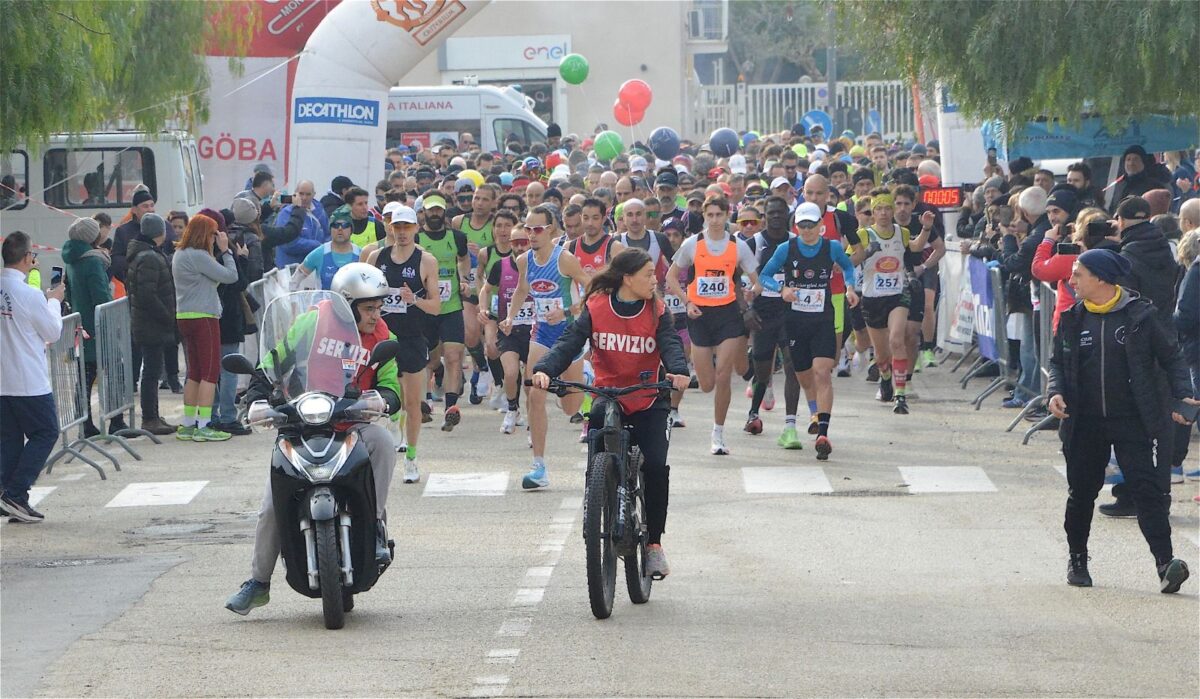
[625, 350]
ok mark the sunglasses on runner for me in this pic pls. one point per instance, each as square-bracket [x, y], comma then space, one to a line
[519, 242]
[536, 229]
[339, 224]
[748, 222]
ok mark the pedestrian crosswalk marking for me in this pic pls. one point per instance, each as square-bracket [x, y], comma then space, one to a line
[1062, 470]
[150, 494]
[946, 479]
[785, 479]
[445, 485]
[39, 493]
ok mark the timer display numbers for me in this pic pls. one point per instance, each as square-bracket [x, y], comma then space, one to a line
[942, 197]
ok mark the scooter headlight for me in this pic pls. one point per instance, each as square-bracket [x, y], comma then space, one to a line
[315, 408]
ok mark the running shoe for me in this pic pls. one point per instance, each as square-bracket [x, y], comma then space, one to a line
[718, 445]
[754, 424]
[1176, 474]
[426, 412]
[536, 478]
[694, 383]
[1171, 575]
[656, 562]
[453, 417]
[926, 359]
[676, 419]
[1193, 475]
[576, 418]
[511, 418]
[183, 434]
[843, 367]
[1013, 402]
[901, 407]
[412, 474]
[19, 510]
[498, 401]
[790, 439]
[873, 374]
[1077, 572]
[814, 425]
[208, 434]
[824, 447]
[253, 594]
[886, 393]
[768, 402]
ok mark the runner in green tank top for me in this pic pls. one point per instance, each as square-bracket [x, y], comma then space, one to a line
[449, 248]
[478, 225]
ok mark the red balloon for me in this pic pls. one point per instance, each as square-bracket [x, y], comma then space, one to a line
[626, 115]
[636, 93]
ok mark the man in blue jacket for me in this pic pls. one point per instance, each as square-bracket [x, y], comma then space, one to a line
[314, 231]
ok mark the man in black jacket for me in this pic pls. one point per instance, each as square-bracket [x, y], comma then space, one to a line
[143, 203]
[1115, 373]
[1140, 173]
[336, 196]
[151, 291]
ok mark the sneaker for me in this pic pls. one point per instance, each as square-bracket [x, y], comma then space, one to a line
[843, 366]
[694, 383]
[718, 447]
[20, 511]
[453, 417]
[1121, 507]
[1013, 402]
[383, 552]
[1077, 572]
[176, 388]
[236, 429]
[824, 447]
[1171, 575]
[426, 412]
[184, 433]
[1176, 474]
[814, 425]
[768, 402]
[158, 426]
[656, 562]
[926, 359]
[253, 594]
[886, 392]
[536, 478]
[498, 401]
[790, 439]
[576, 418]
[474, 398]
[676, 420]
[90, 430]
[901, 407]
[753, 425]
[583, 433]
[209, 434]
[1193, 475]
[412, 474]
[509, 424]
[873, 374]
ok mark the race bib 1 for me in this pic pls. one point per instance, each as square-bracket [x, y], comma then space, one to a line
[712, 287]
[888, 284]
[674, 304]
[767, 293]
[445, 289]
[392, 303]
[809, 301]
[544, 306]
[525, 314]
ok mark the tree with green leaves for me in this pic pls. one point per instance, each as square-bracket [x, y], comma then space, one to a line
[765, 36]
[1018, 60]
[73, 66]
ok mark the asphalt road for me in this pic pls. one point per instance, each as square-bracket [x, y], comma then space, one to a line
[926, 558]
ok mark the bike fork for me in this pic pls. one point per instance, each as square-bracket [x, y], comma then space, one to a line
[347, 564]
[310, 551]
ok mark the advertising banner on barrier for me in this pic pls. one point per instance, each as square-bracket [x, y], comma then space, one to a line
[962, 320]
[985, 308]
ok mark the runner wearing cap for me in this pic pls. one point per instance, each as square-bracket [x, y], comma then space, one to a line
[446, 330]
[807, 263]
[715, 321]
[411, 275]
[500, 283]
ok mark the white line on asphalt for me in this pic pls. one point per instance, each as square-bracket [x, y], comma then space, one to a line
[946, 479]
[571, 503]
[444, 485]
[150, 494]
[39, 493]
[539, 572]
[489, 686]
[528, 596]
[785, 479]
[503, 656]
[1062, 470]
[73, 477]
[515, 628]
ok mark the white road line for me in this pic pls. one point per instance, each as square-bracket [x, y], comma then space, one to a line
[445, 485]
[541, 572]
[566, 518]
[528, 596]
[1062, 470]
[946, 479]
[39, 493]
[515, 628]
[73, 477]
[150, 494]
[503, 656]
[573, 502]
[489, 686]
[785, 479]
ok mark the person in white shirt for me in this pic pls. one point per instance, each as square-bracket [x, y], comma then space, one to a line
[28, 421]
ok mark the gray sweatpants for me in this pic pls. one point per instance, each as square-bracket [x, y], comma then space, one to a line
[266, 536]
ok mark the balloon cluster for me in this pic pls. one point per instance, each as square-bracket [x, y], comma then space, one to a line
[632, 100]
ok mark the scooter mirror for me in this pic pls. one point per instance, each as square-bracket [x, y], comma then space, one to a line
[237, 364]
[384, 352]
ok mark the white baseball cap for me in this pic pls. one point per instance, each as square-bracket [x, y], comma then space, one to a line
[780, 182]
[808, 212]
[395, 212]
[737, 164]
[638, 164]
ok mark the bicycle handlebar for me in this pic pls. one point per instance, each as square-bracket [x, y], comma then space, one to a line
[561, 388]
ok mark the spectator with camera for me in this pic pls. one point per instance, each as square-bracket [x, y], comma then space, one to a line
[1055, 256]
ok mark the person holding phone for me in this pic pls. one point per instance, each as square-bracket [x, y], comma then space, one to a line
[1118, 382]
[1055, 255]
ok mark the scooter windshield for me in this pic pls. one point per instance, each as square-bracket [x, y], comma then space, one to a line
[309, 342]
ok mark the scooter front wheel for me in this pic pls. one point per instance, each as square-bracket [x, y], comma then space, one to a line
[329, 571]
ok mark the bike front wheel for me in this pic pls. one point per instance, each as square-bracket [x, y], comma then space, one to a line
[599, 514]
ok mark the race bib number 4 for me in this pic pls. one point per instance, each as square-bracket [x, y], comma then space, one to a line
[809, 301]
[674, 303]
[544, 306]
[445, 289]
[525, 314]
[888, 283]
[712, 287]
[392, 303]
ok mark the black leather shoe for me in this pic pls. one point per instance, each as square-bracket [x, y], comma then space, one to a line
[1121, 507]
[1171, 575]
[1077, 572]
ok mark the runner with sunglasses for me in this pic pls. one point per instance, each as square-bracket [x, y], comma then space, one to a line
[326, 259]
[496, 295]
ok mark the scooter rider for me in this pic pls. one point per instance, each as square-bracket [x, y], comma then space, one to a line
[364, 287]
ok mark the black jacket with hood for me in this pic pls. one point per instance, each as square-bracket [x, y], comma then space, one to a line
[151, 290]
[1154, 270]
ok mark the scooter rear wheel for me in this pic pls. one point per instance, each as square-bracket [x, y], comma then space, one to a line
[329, 570]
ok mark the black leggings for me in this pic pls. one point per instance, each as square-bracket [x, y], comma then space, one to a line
[650, 433]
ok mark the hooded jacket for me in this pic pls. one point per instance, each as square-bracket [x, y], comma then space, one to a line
[1154, 268]
[1187, 316]
[87, 280]
[1153, 372]
[151, 290]
[1152, 176]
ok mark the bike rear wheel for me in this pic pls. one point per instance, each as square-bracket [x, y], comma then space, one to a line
[637, 579]
[329, 571]
[599, 512]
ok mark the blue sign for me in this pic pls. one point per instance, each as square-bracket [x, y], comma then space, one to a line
[1092, 138]
[816, 117]
[336, 110]
[985, 308]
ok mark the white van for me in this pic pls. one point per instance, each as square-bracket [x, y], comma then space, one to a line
[490, 114]
[43, 190]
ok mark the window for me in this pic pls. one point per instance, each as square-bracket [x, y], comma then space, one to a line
[97, 178]
[14, 177]
[523, 131]
[430, 132]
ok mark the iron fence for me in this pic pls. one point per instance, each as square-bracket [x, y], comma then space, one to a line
[114, 377]
[64, 363]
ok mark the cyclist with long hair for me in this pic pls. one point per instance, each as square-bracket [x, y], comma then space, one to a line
[633, 341]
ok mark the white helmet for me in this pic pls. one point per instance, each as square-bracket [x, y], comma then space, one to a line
[359, 281]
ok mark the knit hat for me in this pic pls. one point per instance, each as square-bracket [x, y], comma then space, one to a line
[1133, 207]
[84, 229]
[141, 197]
[215, 216]
[1063, 199]
[153, 226]
[1107, 265]
[245, 211]
[995, 182]
[342, 214]
[1159, 201]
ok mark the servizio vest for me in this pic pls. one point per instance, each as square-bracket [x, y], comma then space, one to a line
[625, 350]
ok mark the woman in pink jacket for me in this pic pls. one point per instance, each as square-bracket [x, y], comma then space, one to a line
[1053, 265]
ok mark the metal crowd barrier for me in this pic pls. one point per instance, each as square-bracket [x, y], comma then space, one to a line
[1000, 333]
[115, 374]
[64, 361]
[1049, 299]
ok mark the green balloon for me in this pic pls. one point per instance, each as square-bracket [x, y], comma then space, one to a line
[608, 145]
[573, 68]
